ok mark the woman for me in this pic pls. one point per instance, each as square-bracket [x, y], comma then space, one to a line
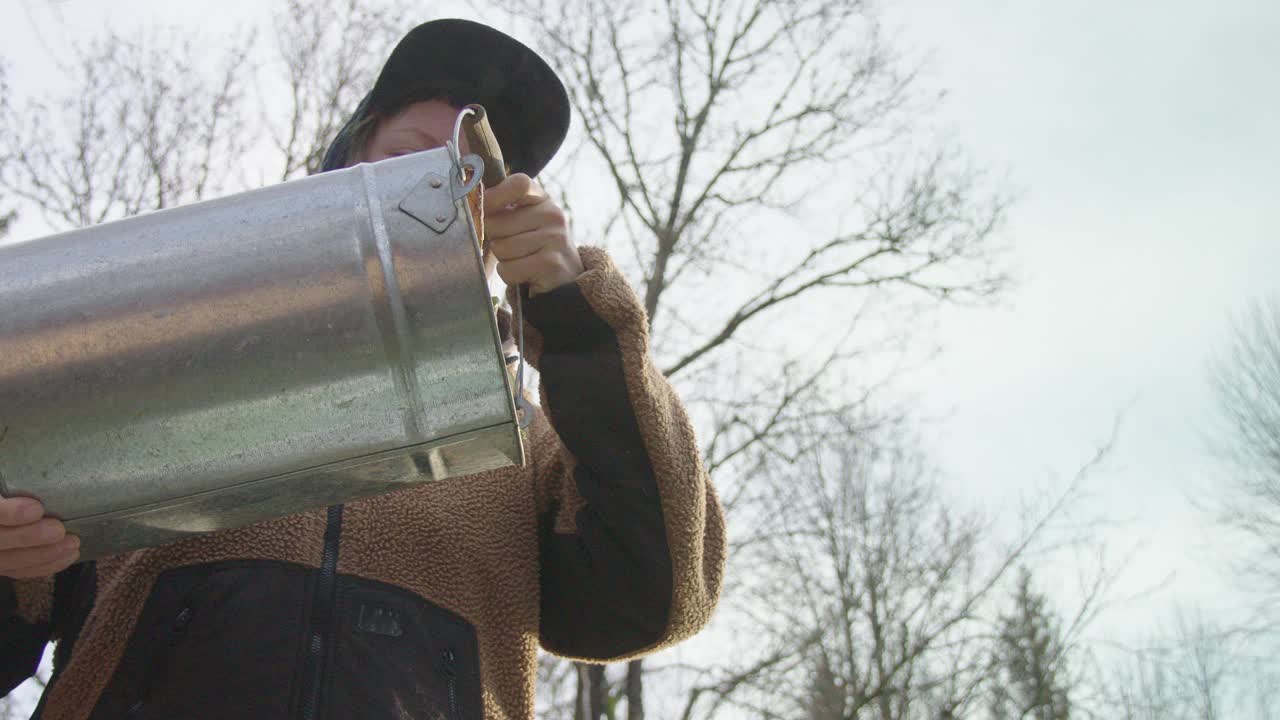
[430, 601]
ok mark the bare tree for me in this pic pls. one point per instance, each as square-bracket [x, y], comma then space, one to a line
[149, 121]
[765, 165]
[1246, 381]
[1145, 692]
[770, 148]
[557, 696]
[329, 55]
[1201, 670]
[6, 218]
[881, 594]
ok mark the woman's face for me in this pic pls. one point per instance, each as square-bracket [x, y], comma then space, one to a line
[420, 126]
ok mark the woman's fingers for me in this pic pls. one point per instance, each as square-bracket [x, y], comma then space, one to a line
[528, 234]
[27, 562]
[19, 511]
[46, 569]
[542, 271]
[517, 189]
[507, 223]
[42, 532]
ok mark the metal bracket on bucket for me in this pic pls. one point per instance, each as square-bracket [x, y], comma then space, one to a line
[433, 201]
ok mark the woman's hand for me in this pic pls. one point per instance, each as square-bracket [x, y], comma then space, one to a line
[529, 236]
[32, 545]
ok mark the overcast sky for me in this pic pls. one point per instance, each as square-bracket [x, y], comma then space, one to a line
[1144, 136]
[1145, 140]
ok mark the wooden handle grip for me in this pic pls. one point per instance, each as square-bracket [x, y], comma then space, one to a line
[482, 142]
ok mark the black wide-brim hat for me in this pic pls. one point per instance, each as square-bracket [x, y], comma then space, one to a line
[525, 101]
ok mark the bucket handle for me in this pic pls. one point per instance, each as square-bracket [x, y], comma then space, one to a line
[474, 122]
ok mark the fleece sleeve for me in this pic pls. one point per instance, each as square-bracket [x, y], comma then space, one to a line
[631, 533]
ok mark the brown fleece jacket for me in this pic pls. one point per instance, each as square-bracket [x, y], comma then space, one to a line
[496, 548]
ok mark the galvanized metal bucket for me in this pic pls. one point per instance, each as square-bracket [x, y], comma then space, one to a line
[214, 365]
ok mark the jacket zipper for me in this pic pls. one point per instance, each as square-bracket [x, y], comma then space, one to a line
[450, 671]
[321, 614]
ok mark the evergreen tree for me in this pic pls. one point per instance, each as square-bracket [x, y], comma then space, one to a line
[1029, 678]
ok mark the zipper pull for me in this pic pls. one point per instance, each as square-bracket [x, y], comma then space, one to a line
[448, 662]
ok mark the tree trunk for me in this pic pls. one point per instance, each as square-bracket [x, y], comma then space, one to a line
[599, 691]
[635, 690]
[581, 706]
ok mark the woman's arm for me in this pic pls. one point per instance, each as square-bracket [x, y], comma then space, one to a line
[632, 536]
